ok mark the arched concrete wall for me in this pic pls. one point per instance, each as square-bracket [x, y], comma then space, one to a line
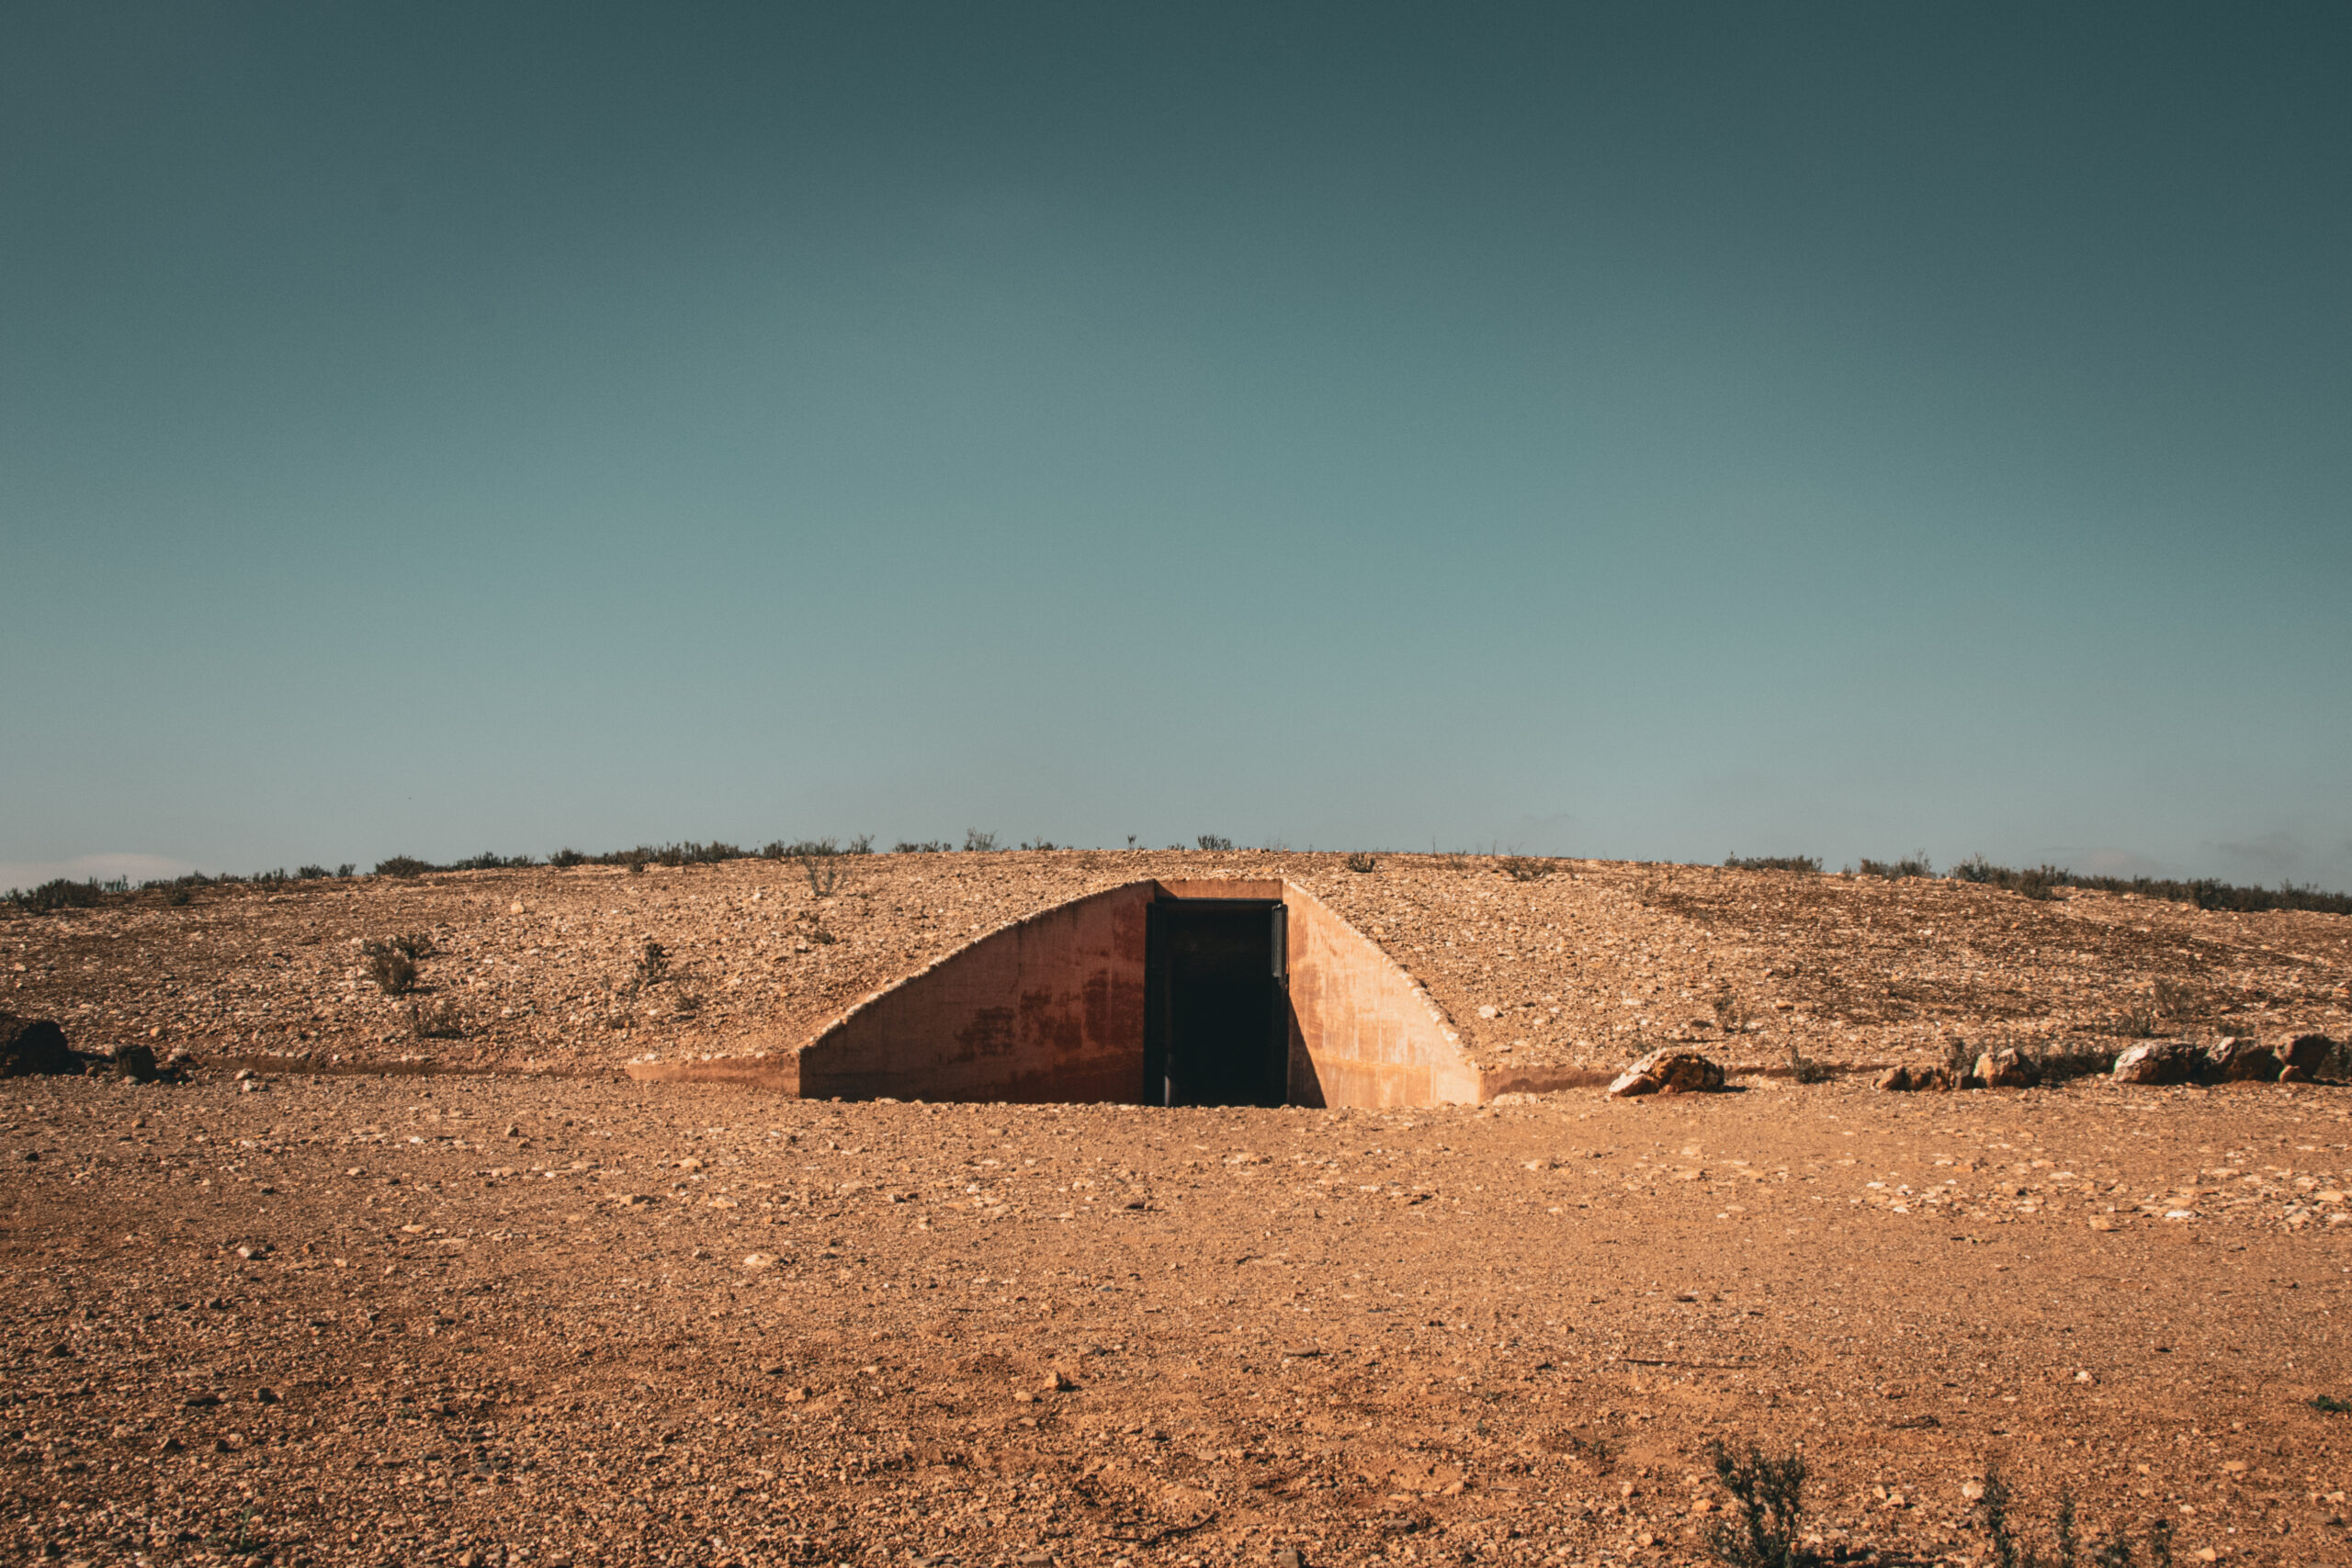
[1052, 1009]
[1049, 1008]
[1362, 1033]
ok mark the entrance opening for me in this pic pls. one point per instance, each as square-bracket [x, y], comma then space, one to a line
[1220, 992]
[1216, 1002]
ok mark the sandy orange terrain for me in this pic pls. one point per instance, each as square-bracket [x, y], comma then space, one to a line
[555, 1317]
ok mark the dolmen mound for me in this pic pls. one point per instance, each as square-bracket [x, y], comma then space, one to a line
[1076, 976]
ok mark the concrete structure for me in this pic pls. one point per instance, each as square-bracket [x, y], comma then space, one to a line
[1053, 1008]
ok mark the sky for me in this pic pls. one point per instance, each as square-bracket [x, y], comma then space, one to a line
[1650, 431]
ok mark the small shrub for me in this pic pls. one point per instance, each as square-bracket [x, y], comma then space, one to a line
[1913, 865]
[824, 874]
[178, 895]
[1767, 1495]
[1811, 864]
[486, 860]
[819, 935]
[2010, 1553]
[345, 870]
[403, 865]
[2058, 1063]
[1730, 1013]
[1804, 1069]
[414, 944]
[2035, 882]
[567, 858]
[978, 842]
[2137, 1021]
[1042, 844]
[61, 894]
[1960, 1060]
[437, 1020]
[2179, 1002]
[1363, 863]
[1525, 868]
[653, 964]
[926, 847]
[1214, 841]
[394, 972]
[2328, 1404]
[310, 873]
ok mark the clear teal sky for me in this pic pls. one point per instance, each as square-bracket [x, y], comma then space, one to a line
[1646, 432]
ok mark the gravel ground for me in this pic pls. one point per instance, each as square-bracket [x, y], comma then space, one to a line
[376, 1319]
[1580, 967]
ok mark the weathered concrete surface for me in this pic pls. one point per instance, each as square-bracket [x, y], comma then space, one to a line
[1362, 1033]
[1049, 1008]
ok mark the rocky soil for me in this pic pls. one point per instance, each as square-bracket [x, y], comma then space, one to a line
[364, 1315]
[533, 1320]
[1584, 966]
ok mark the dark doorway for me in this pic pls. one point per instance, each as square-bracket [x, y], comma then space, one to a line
[1216, 999]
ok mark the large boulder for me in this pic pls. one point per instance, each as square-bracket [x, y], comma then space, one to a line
[34, 1046]
[2156, 1062]
[2006, 1068]
[2305, 1054]
[1669, 1071]
[2240, 1059]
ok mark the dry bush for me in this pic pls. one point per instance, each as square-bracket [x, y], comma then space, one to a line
[1768, 1497]
[2180, 1002]
[1525, 868]
[393, 971]
[437, 1020]
[1810, 863]
[1731, 1012]
[1913, 865]
[1362, 862]
[2058, 1063]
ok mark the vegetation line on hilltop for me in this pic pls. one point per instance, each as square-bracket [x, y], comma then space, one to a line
[2034, 881]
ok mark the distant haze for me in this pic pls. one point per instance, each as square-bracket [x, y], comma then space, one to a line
[1647, 432]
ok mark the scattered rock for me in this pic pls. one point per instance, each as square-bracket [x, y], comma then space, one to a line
[2239, 1059]
[31, 1047]
[1902, 1081]
[2306, 1054]
[1669, 1071]
[2006, 1068]
[136, 1063]
[2156, 1062]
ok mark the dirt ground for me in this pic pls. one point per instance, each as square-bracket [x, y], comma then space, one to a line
[505, 1319]
[1580, 967]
